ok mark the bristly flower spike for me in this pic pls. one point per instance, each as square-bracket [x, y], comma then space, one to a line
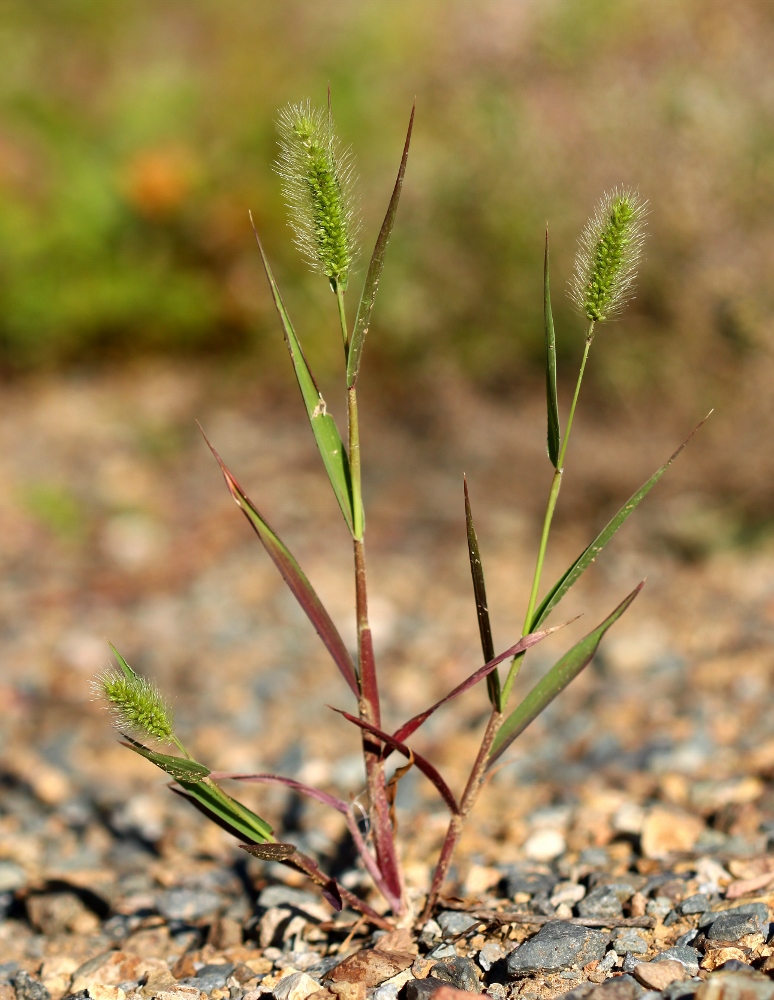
[136, 704]
[317, 185]
[609, 250]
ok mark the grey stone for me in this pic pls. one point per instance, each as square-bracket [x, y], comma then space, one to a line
[732, 965]
[284, 895]
[491, 952]
[28, 988]
[418, 989]
[687, 957]
[7, 971]
[698, 903]
[210, 977]
[557, 945]
[619, 988]
[536, 883]
[442, 951]
[658, 907]
[322, 966]
[188, 904]
[686, 988]
[12, 876]
[759, 911]
[454, 922]
[627, 940]
[459, 972]
[604, 901]
[732, 925]
[631, 962]
[686, 938]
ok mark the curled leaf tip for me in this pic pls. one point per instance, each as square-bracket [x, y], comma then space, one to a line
[609, 250]
[318, 186]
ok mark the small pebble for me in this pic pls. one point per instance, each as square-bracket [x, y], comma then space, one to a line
[545, 845]
[658, 975]
[454, 922]
[557, 945]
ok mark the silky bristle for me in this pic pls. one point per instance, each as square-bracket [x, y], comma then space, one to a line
[609, 250]
[317, 185]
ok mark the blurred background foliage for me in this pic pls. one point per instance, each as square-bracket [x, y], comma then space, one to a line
[135, 136]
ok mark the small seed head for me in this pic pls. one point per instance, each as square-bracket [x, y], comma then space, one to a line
[136, 704]
[317, 185]
[609, 250]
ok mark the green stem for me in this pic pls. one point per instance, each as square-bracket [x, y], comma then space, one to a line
[553, 496]
[369, 708]
[342, 316]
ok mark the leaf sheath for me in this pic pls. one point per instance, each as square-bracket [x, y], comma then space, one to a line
[323, 425]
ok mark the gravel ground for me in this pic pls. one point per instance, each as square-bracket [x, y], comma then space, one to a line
[630, 818]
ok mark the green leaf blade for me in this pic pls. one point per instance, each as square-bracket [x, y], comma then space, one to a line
[482, 609]
[555, 681]
[553, 437]
[240, 821]
[324, 428]
[179, 768]
[297, 581]
[589, 554]
[374, 273]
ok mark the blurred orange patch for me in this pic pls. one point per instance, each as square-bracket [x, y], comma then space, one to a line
[157, 181]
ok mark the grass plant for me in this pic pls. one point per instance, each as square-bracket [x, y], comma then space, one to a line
[317, 181]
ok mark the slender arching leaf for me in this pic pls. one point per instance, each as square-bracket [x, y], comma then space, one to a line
[195, 780]
[520, 647]
[179, 768]
[555, 681]
[214, 799]
[294, 577]
[374, 273]
[551, 397]
[587, 557]
[421, 763]
[482, 609]
[324, 428]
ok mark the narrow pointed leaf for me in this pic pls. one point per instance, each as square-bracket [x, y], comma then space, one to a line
[482, 609]
[551, 397]
[587, 557]
[421, 763]
[520, 647]
[195, 779]
[328, 800]
[374, 273]
[294, 577]
[210, 799]
[126, 670]
[179, 768]
[555, 681]
[324, 428]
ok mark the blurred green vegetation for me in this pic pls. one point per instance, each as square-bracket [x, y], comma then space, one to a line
[134, 138]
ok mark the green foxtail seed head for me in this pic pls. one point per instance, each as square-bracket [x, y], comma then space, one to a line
[609, 250]
[317, 184]
[136, 704]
